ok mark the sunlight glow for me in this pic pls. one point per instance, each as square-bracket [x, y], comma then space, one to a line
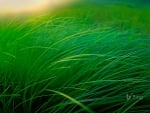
[29, 6]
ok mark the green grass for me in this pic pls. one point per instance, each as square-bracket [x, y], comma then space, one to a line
[75, 63]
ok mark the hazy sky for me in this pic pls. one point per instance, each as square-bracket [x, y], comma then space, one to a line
[20, 3]
[29, 5]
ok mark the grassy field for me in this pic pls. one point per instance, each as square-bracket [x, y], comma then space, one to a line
[84, 60]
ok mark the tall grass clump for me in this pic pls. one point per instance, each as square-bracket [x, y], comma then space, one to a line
[73, 65]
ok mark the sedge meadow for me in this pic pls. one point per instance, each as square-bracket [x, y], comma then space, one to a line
[84, 58]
